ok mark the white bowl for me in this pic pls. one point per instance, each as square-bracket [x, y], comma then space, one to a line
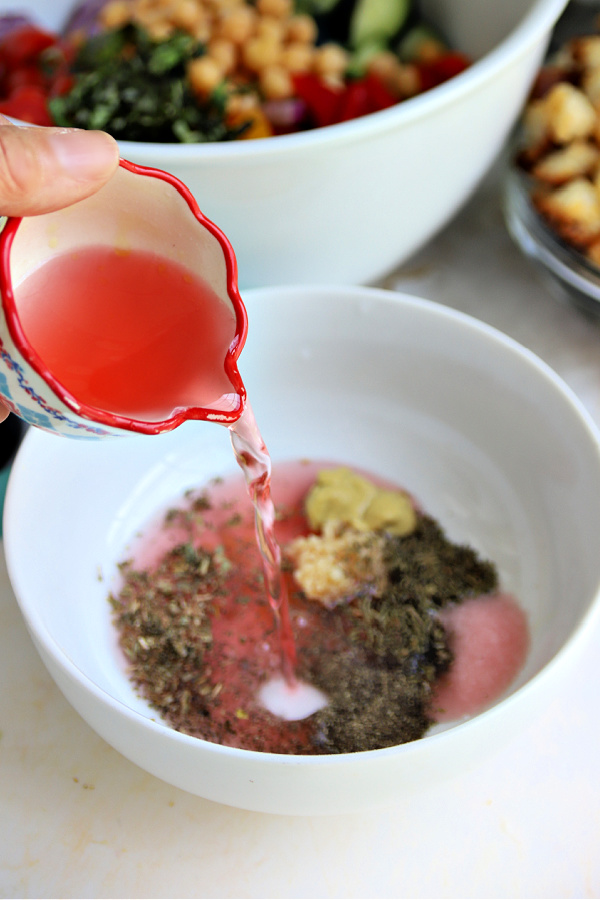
[347, 203]
[484, 434]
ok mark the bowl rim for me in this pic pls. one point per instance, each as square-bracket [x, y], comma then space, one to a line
[42, 637]
[540, 18]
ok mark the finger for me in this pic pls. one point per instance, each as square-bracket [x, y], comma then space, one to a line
[43, 169]
[4, 412]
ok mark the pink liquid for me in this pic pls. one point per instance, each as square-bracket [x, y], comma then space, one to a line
[128, 333]
[252, 456]
[490, 640]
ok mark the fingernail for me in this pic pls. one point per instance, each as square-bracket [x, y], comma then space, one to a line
[84, 155]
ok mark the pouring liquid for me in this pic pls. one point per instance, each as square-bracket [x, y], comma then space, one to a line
[255, 462]
[138, 335]
[285, 697]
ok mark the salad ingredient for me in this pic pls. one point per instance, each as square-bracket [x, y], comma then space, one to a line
[377, 21]
[83, 21]
[33, 68]
[218, 70]
[138, 89]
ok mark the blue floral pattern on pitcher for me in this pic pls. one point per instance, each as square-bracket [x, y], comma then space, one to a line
[46, 416]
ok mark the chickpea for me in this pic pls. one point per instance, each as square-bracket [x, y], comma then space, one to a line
[275, 83]
[280, 9]
[160, 29]
[221, 7]
[224, 53]
[260, 52]
[204, 75]
[330, 61]
[238, 25]
[241, 104]
[270, 28]
[407, 82]
[297, 57]
[590, 83]
[430, 50]
[301, 29]
[115, 14]
[587, 50]
[186, 14]
[148, 17]
[202, 30]
[385, 66]
[144, 6]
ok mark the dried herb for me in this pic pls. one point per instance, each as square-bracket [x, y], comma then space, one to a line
[136, 89]
[164, 622]
[376, 658]
[383, 686]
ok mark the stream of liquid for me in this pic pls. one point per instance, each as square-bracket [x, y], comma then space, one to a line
[255, 462]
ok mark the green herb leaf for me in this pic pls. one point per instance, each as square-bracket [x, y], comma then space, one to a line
[136, 89]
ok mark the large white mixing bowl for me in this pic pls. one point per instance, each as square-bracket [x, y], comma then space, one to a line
[347, 203]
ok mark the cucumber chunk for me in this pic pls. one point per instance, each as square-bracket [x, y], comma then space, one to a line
[376, 21]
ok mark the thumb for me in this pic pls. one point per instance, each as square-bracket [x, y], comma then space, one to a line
[44, 169]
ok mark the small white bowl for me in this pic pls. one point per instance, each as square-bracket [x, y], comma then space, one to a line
[348, 203]
[484, 434]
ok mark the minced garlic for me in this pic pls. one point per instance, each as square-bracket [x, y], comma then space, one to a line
[353, 516]
[336, 567]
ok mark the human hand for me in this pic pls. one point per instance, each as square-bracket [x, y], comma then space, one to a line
[44, 169]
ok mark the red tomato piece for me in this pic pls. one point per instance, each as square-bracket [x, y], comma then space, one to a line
[440, 70]
[27, 103]
[379, 96]
[23, 46]
[322, 101]
[355, 101]
[61, 84]
[17, 78]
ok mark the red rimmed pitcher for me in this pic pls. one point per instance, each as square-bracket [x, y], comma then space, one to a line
[121, 313]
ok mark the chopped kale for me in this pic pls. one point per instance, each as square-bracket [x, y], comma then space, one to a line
[136, 89]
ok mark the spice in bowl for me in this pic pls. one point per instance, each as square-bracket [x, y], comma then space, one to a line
[396, 627]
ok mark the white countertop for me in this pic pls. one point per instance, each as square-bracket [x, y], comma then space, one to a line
[79, 820]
